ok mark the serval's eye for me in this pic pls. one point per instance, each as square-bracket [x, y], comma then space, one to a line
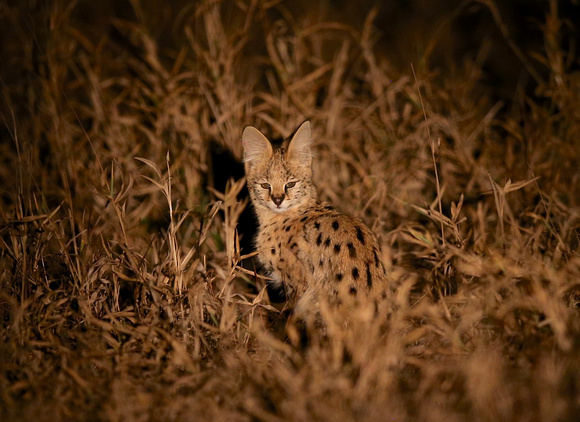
[290, 184]
[265, 185]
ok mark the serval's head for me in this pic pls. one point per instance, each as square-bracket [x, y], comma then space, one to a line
[279, 179]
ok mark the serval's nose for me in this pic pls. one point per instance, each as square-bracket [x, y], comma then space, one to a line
[278, 199]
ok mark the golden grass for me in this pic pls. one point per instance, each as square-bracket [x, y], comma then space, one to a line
[122, 291]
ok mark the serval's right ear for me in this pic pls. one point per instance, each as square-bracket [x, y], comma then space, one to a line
[257, 148]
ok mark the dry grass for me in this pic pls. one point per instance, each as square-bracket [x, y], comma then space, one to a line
[121, 292]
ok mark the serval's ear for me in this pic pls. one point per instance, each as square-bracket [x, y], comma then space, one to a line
[299, 148]
[257, 148]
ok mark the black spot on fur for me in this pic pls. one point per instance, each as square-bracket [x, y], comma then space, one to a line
[294, 245]
[335, 225]
[369, 276]
[317, 225]
[339, 276]
[303, 219]
[321, 263]
[319, 239]
[329, 208]
[337, 248]
[359, 235]
[288, 228]
[273, 250]
[352, 291]
[355, 274]
[351, 250]
[327, 242]
[376, 258]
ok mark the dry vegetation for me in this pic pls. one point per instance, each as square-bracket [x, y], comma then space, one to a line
[122, 295]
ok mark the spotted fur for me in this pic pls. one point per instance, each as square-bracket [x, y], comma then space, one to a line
[312, 248]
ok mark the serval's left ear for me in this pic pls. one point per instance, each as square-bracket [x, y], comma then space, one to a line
[299, 148]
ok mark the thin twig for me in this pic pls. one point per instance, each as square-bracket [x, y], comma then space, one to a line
[432, 154]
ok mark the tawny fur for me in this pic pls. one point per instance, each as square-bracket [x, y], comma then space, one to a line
[316, 251]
